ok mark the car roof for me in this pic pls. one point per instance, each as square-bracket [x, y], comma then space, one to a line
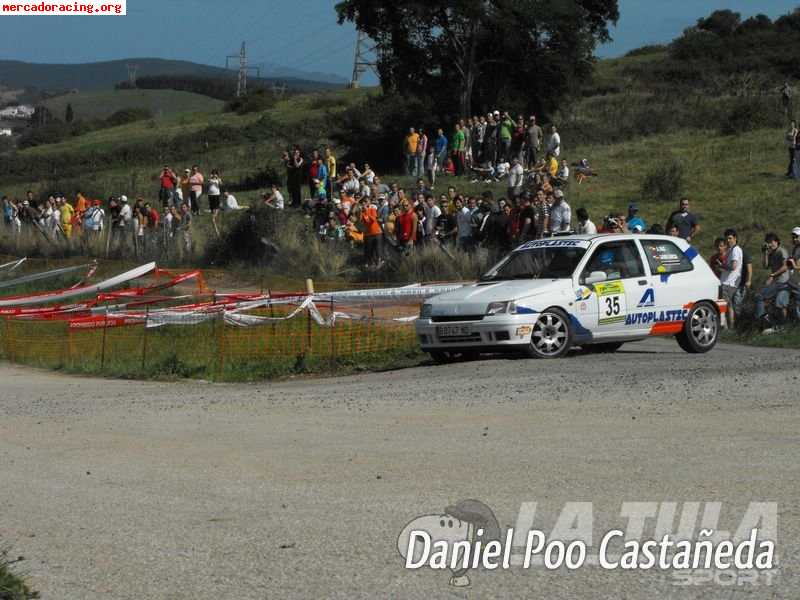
[589, 240]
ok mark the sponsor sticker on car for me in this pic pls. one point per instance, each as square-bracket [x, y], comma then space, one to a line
[611, 300]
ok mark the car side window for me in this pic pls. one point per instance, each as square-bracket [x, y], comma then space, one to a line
[665, 257]
[618, 260]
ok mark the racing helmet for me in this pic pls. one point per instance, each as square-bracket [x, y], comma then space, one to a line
[606, 257]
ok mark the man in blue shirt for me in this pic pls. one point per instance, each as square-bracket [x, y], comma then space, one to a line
[634, 222]
[440, 146]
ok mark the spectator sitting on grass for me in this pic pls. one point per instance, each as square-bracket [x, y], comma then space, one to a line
[583, 171]
[274, 198]
[562, 175]
[776, 289]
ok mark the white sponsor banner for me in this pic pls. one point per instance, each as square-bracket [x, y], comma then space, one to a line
[109, 8]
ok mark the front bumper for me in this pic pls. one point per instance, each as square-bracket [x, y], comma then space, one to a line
[492, 332]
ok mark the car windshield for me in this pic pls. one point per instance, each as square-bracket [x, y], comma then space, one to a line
[539, 262]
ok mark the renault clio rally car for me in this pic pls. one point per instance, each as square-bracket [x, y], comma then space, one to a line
[593, 291]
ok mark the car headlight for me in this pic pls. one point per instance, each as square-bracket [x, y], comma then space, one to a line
[502, 308]
[425, 311]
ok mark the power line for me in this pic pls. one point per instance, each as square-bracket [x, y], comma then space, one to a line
[361, 64]
[241, 84]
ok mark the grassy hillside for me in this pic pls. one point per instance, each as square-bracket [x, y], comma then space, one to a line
[103, 103]
[733, 180]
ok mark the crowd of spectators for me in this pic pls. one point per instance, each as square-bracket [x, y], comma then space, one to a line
[354, 205]
[137, 228]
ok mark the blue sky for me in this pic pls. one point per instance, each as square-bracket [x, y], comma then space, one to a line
[291, 33]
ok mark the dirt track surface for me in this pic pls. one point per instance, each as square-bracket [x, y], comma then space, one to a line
[122, 489]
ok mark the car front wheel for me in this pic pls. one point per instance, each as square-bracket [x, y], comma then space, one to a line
[701, 329]
[551, 336]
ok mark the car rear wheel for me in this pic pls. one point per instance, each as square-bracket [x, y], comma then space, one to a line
[701, 329]
[551, 336]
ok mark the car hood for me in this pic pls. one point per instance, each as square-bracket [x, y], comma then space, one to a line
[473, 299]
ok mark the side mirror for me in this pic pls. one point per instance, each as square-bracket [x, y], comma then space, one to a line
[595, 277]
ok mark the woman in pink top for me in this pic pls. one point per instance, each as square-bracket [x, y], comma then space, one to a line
[196, 180]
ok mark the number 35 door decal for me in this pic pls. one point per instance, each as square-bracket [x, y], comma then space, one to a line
[611, 299]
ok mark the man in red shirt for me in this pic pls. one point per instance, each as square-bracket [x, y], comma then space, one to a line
[168, 181]
[406, 227]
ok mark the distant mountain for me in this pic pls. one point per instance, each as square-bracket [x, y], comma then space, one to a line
[104, 75]
[276, 71]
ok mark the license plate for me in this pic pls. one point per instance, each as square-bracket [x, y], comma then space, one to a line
[453, 330]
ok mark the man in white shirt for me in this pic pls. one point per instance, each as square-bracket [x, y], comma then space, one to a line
[516, 176]
[464, 224]
[731, 273]
[560, 213]
[432, 214]
[585, 225]
[554, 143]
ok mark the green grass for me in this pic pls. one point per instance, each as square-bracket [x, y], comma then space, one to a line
[103, 103]
[788, 338]
[211, 350]
[12, 586]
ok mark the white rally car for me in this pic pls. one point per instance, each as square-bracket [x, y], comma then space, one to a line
[594, 291]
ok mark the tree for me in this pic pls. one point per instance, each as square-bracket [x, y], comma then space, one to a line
[722, 22]
[69, 116]
[466, 52]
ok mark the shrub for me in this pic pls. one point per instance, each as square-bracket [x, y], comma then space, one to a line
[12, 587]
[665, 183]
[257, 101]
[128, 115]
[749, 114]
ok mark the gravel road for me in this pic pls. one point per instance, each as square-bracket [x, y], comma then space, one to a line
[133, 490]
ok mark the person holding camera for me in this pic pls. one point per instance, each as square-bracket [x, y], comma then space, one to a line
[774, 258]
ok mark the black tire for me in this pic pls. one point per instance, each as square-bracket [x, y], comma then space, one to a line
[604, 348]
[551, 336]
[701, 329]
[440, 357]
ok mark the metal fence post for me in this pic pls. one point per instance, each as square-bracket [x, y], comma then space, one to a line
[333, 336]
[144, 338]
[221, 344]
[103, 347]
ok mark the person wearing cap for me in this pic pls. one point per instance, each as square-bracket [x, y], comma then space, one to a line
[634, 220]
[560, 214]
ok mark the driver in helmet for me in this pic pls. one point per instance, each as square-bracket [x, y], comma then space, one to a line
[606, 261]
